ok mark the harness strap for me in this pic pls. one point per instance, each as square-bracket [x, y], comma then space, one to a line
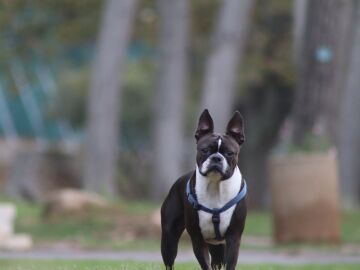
[216, 222]
[215, 211]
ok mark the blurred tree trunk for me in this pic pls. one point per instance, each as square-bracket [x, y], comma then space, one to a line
[102, 142]
[322, 68]
[349, 126]
[265, 106]
[299, 20]
[169, 99]
[226, 52]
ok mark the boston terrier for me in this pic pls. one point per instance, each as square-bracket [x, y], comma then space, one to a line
[210, 201]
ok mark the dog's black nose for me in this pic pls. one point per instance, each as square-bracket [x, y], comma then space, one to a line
[216, 159]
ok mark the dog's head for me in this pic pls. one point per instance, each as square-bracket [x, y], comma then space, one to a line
[218, 153]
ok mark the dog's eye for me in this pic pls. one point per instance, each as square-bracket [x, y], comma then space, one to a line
[205, 150]
[229, 153]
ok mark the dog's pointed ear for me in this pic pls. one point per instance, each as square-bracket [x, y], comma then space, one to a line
[205, 125]
[235, 128]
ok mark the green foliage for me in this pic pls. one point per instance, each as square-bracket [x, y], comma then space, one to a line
[312, 143]
[64, 33]
[138, 96]
[71, 102]
[269, 42]
[46, 26]
[146, 23]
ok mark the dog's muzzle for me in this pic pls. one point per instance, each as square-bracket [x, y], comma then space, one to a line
[214, 163]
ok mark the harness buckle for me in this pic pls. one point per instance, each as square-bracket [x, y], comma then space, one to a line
[215, 217]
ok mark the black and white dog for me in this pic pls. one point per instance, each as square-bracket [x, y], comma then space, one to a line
[210, 201]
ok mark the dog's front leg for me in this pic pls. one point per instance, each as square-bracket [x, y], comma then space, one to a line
[201, 252]
[172, 226]
[232, 251]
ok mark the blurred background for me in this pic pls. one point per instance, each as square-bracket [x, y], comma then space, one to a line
[99, 102]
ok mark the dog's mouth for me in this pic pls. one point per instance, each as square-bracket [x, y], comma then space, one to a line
[215, 168]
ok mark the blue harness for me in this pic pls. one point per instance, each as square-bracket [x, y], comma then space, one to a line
[215, 211]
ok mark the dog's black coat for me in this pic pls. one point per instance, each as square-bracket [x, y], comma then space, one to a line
[177, 213]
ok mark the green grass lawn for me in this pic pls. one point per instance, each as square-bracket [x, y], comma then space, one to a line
[351, 227]
[111, 265]
[127, 226]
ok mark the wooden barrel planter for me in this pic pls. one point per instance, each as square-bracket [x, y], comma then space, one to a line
[305, 198]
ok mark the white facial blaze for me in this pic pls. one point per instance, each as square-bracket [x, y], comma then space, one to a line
[219, 144]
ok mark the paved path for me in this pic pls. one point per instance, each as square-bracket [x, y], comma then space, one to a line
[246, 257]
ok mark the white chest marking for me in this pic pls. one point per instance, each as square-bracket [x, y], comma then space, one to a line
[213, 193]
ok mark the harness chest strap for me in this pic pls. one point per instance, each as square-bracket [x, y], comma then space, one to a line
[215, 211]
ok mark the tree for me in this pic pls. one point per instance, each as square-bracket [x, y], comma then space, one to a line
[266, 95]
[102, 141]
[349, 135]
[265, 106]
[299, 20]
[322, 67]
[226, 52]
[169, 99]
